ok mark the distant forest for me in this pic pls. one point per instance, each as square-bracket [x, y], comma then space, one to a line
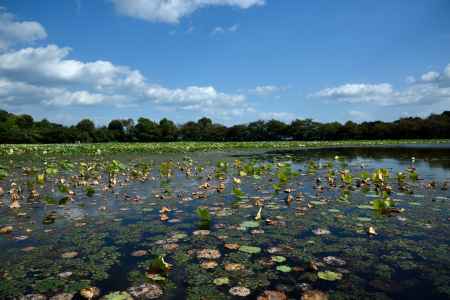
[24, 129]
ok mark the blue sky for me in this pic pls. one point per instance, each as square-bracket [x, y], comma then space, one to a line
[232, 60]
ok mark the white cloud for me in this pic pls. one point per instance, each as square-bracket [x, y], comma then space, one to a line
[441, 78]
[49, 65]
[14, 32]
[16, 93]
[429, 90]
[171, 11]
[217, 30]
[220, 29]
[430, 76]
[357, 92]
[265, 90]
[46, 76]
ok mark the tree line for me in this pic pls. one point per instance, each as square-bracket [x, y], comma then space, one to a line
[24, 129]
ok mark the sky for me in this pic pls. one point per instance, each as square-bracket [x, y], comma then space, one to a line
[234, 61]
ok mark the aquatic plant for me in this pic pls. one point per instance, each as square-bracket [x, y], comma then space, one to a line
[3, 172]
[346, 177]
[204, 216]
[165, 169]
[383, 205]
[329, 275]
[159, 266]
[238, 193]
[380, 176]
[250, 249]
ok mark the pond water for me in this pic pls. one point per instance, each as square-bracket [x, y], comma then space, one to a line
[341, 221]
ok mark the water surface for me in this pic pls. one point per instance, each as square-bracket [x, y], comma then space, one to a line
[408, 259]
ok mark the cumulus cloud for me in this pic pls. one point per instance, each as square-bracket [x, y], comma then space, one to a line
[357, 92]
[46, 76]
[15, 93]
[220, 29]
[432, 88]
[441, 78]
[430, 76]
[171, 11]
[14, 32]
[49, 65]
[265, 90]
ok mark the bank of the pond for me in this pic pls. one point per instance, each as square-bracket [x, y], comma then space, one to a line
[172, 147]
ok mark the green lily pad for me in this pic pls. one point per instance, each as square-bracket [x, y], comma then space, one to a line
[118, 296]
[364, 219]
[284, 269]
[318, 202]
[329, 276]
[364, 206]
[250, 224]
[278, 259]
[157, 277]
[250, 249]
[180, 236]
[221, 281]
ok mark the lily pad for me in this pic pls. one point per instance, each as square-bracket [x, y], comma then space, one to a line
[221, 281]
[118, 296]
[278, 259]
[284, 269]
[329, 275]
[250, 249]
[250, 224]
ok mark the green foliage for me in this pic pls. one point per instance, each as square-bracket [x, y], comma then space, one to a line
[401, 177]
[413, 175]
[238, 193]
[165, 169]
[3, 172]
[346, 177]
[221, 169]
[364, 176]
[380, 176]
[383, 205]
[24, 129]
[204, 215]
[51, 170]
[159, 266]
[312, 167]
[114, 168]
[90, 191]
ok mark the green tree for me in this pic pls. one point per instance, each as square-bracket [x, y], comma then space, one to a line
[167, 130]
[147, 130]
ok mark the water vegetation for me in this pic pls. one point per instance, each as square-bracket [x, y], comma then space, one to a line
[221, 225]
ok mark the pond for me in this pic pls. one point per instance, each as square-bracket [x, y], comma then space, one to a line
[330, 223]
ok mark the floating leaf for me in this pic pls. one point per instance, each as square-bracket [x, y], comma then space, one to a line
[221, 281]
[278, 259]
[329, 275]
[118, 296]
[284, 269]
[250, 224]
[250, 249]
